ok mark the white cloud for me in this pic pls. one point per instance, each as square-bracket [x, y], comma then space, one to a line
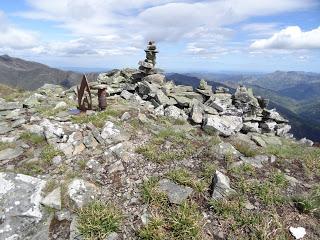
[290, 38]
[13, 37]
[201, 24]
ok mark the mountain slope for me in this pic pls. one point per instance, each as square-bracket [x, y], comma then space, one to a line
[29, 75]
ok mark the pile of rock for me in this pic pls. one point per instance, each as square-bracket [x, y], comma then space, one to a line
[216, 111]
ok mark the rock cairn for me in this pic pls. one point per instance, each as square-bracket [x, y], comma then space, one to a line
[219, 110]
[147, 65]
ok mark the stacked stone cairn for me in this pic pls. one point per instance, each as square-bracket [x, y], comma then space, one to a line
[219, 111]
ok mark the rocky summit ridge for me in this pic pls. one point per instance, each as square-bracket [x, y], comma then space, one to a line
[163, 161]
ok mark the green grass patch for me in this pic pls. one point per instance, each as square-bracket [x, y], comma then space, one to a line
[246, 224]
[151, 195]
[309, 203]
[98, 219]
[98, 119]
[308, 156]
[48, 153]
[33, 138]
[181, 222]
[184, 177]
[246, 149]
[167, 145]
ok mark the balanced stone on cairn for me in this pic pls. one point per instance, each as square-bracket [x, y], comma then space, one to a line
[147, 66]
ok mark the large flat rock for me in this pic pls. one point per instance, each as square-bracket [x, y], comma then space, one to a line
[20, 211]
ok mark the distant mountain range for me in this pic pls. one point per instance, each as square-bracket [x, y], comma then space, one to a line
[28, 75]
[296, 95]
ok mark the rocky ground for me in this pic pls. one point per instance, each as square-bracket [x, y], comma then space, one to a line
[161, 162]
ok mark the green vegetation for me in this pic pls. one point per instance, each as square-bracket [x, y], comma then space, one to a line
[97, 119]
[167, 221]
[246, 149]
[309, 203]
[98, 219]
[33, 138]
[48, 153]
[309, 157]
[151, 195]
[184, 177]
[247, 224]
[181, 222]
[167, 145]
[5, 145]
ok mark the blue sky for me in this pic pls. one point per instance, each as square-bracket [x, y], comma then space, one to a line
[206, 35]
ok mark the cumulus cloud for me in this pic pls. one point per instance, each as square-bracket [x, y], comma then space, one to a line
[197, 23]
[13, 37]
[290, 38]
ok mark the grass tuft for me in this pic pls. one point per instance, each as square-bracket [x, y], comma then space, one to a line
[98, 219]
[167, 145]
[33, 138]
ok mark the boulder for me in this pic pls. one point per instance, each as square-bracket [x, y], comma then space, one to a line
[20, 197]
[224, 125]
[53, 199]
[111, 134]
[175, 113]
[176, 193]
[256, 161]
[81, 192]
[221, 186]
[224, 149]
[250, 127]
[306, 142]
[161, 98]
[196, 113]
[268, 126]
[10, 106]
[159, 111]
[155, 78]
[126, 95]
[282, 129]
[10, 153]
[273, 115]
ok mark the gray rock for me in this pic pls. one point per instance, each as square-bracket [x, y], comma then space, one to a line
[10, 106]
[111, 134]
[81, 192]
[5, 129]
[256, 161]
[274, 115]
[113, 236]
[196, 114]
[155, 78]
[268, 126]
[159, 111]
[53, 199]
[175, 112]
[216, 103]
[89, 141]
[10, 153]
[250, 127]
[18, 122]
[116, 167]
[176, 193]
[258, 140]
[57, 160]
[20, 197]
[34, 100]
[126, 95]
[225, 149]
[74, 232]
[125, 116]
[63, 215]
[306, 142]
[161, 98]
[95, 132]
[282, 129]
[221, 186]
[224, 125]
[182, 101]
